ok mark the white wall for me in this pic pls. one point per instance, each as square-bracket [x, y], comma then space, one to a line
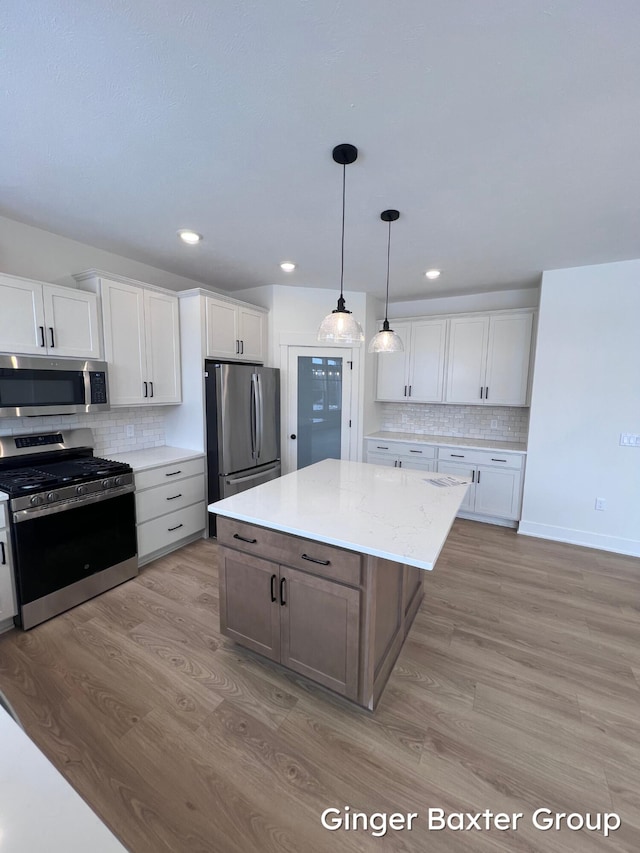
[34, 253]
[493, 301]
[586, 391]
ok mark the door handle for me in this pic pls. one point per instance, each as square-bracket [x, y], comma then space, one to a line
[478, 480]
[405, 390]
[481, 390]
[473, 476]
[274, 598]
[486, 393]
[409, 390]
[293, 435]
[244, 539]
[146, 389]
[53, 340]
[283, 589]
[241, 347]
[151, 386]
[314, 560]
[237, 347]
[43, 343]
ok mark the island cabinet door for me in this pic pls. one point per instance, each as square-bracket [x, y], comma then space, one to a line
[249, 603]
[320, 626]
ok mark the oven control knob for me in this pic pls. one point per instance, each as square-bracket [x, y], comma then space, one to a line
[52, 496]
[117, 481]
[106, 484]
[81, 490]
[35, 500]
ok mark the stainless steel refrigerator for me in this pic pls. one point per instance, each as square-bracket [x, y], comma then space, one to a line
[243, 428]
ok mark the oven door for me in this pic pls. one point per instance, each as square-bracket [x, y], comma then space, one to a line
[68, 553]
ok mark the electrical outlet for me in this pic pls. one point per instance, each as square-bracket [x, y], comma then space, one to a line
[601, 504]
[131, 431]
[494, 424]
[629, 439]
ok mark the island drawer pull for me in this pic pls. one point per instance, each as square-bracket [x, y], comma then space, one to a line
[274, 597]
[244, 539]
[498, 460]
[173, 473]
[314, 560]
[177, 527]
[174, 497]
[283, 589]
[457, 455]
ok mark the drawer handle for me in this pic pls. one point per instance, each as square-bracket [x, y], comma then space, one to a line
[174, 497]
[172, 473]
[380, 447]
[457, 455]
[313, 560]
[244, 539]
[177, 527]
[283, 589]
[273, 589]
[415, 451]
[498, 460]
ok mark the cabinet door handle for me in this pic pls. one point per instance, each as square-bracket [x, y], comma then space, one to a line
[53, 340]
[409, 390]
[244, 539]
[405, 390]
[481, 390]
[174, 497]
[314, 560]
[274, 598]
[151, 386]
[4, 554]
[498, 460]
[237, 347]
[146, 389]
[395, 463]
[43, 343]
[473, 476]
[478, 477]
[283, 589]
[241, 347]
[173, 473]
[457, 455]
[399, 463]
[486, 393]
[177, 527]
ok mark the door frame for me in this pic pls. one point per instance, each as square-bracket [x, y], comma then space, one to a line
[301, 339]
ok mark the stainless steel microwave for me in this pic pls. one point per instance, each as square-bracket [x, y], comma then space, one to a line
[35, 385]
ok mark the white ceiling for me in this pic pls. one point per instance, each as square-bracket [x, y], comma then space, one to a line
[507, 134]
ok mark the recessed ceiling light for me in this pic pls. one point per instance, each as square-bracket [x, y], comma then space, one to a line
[190, 237]
[432, 274]
[287, 266]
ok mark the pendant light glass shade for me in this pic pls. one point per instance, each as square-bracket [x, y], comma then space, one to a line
[386, 339]
[341, 327]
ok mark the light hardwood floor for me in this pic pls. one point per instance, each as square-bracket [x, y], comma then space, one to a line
[518, 688]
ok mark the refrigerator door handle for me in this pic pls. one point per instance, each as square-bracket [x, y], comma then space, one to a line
[260, 418]
[254, 415]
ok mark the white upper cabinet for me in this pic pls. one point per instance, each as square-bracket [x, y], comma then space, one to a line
[44, 319]
[235, 331]
[142, 344]
[417, 374]
[488, 359]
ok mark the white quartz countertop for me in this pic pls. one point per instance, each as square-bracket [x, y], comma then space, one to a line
[154, 457]
[452, 441]
[394, 513]
[39, 810]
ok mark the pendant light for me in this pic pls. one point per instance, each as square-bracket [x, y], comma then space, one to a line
[341, 327]
[386, 339]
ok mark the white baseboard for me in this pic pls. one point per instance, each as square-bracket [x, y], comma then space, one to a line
[616, 544]
[487, 519]
[6, 625]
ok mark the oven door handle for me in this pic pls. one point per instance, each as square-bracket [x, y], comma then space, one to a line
[71, 503]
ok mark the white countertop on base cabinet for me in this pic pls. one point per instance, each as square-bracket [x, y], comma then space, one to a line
[154, 457]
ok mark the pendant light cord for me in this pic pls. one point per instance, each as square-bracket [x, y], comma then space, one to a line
[386, 305]
[344, 184]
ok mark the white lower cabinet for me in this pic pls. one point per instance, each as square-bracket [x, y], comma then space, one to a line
[170, 506]
[8, 607]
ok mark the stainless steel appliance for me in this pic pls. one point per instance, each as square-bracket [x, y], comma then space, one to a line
[72, 519]
[243, 428]
[36, 385]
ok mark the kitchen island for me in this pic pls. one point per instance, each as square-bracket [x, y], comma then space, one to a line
[321, 570]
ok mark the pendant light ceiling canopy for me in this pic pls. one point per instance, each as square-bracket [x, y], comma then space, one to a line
[341, 327]
[386, 339]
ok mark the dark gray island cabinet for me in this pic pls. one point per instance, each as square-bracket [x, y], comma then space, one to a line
[336, 615]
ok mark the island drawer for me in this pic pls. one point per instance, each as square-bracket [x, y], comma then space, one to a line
[310, 556]
[481, 457]
[151, 477]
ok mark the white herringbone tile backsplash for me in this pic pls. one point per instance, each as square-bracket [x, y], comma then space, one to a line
[108, 428]
[512, 423]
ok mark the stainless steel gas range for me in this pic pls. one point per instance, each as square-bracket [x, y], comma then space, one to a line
[72, 519]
